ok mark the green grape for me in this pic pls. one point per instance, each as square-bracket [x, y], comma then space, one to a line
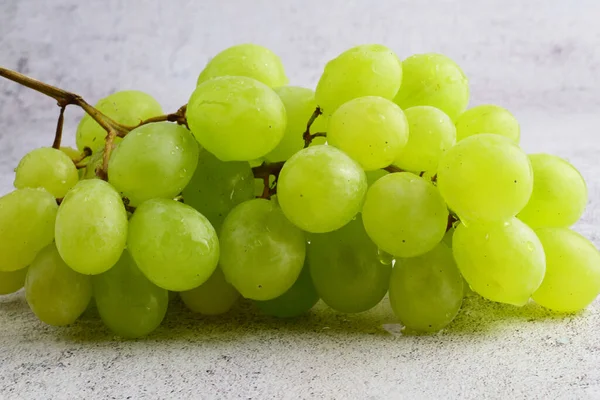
[365, 70]
[404, 214]
[56, 294]
[215, 296]
[372, 130]
[346, 269]
[128, 107]
[502, 261]
[174, 245]
[262, 252]
[236, 118]
[12, 281]
[94, 162]
[432, 132]
[27, 218]
[426, 292]
[250, 60]
[485, 177]
[72, 153]
[46, 168]
[433, 80]
[129, 304]
[321, 189]
[448, 237]
[488, 118]
[154, 160]
[373, 176]
[559, 193]
[91, 227]
[572, 278]
[218, 186]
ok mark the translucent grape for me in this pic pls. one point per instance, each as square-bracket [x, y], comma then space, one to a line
[372, 130]
[432, 132]
[366, 70]
[91, 227]
[250, 60]
[215, 296]
[404, 214]
[321, 189]
[262, 252]
[485, 177]
[236, 118]
[502, 261]
[56, 294]
[47, 168]
[27, 218]
[488, 118]
[346, 270]
[12, 281]
[129, 304]
[433, 80]
[559, 193]
[426, 292]
[174, 245]
[572, 278]
[154, 160]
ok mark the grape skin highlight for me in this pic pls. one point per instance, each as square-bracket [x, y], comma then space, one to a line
[47, 168]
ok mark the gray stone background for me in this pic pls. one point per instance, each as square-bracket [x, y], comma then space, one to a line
[539, 58]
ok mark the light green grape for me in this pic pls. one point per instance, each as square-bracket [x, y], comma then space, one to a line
[215, 296]
[174, 245]
[27, 218]
[72, 153]
[372, 130]
[502, 261]
[236, 118]
[91, 227]
[365, 70]
[433, 80]
[250, 60]
[373, 176]
[12, 281]
[218, 186]
[94, 162]
[46, 168]
[404, 214]
[56, 294]
[572, 278]
[346, 269]
[485, 177]
[154, 160]
[128, 107]
[129, 304]
[426, 292]
[432, 132]
[559, 193]
[262, 253]
[488, 118]
[321, 189]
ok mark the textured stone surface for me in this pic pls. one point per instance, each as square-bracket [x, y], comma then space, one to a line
[538, 58]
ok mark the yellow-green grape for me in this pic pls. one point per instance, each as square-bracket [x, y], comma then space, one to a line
[373, 176]
[236, 118]
[94, 162]
[485, 177]
[12, 281]
[426, 292]
[46, 168]
[433, 80]
[262, 253]
[432, 132]
[365, 70]
[56, 294]
[404, 214]
[346, 269]
[91, 227]
[72, 153]
[215, 296]
[250, 60]
[372, 130]
[488, 118]
[128, 107]
[572, 278]
[129, 304]
[27, 218]
[559, 193]
[502, 261]
[154, 160]
[320, 189]
[174, 245]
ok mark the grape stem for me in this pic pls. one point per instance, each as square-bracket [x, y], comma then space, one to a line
[59, 129]
[308, 138]
[452, 218]
[264, 171]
